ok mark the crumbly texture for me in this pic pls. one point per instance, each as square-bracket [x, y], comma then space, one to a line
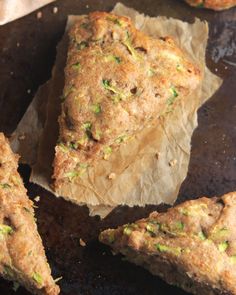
[117, 79]
[212, 4]
[192, 245]
[22, 256]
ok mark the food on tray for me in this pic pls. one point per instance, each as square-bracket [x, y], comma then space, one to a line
[212, 4]
[117, 79]
[192, 245]
[22, 257]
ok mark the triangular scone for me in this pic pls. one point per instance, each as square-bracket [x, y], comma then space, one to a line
[117, 79]
[192, 245]
[212, 4]
[22, 256]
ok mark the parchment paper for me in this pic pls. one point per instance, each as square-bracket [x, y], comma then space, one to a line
[14, 9]
[150, 168]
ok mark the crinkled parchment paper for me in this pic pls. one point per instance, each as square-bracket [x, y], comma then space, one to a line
[150, 168]
[14, 9]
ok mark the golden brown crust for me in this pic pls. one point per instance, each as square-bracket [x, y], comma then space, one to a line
[22, 256]
[212, 4]
[196, 240]
[116, 80]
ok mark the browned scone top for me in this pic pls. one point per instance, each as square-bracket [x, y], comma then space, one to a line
[22, 257]
[212, 4]
[192, 245]
[116, 80]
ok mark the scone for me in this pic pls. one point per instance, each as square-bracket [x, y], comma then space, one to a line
[117, 79]
[22, 256]
[192, 245]
[212, 4]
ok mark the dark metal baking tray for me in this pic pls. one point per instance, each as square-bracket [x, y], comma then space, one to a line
[27, 54]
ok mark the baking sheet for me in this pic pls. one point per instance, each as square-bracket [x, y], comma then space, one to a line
[14, 9]
[152, 168]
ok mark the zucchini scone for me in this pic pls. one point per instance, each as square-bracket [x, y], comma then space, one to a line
[22, 257]
[192, 245]
[116, 80]
[212, 4]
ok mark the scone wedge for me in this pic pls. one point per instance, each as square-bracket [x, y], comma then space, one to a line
[212, 4]
[117, 80]
[22, 256]
[192, 245]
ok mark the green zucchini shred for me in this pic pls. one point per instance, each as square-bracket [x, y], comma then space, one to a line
[129, 228]
[116, 21]
[37, 278]
[119, 95]
[114, 58]
[72, 174]
[5, 185]
[127, 42]
[87, 126]
[168, 249]
[111, 237]
[76, 66]
[202, 236]
[5, 230]
[96, 108]
[82, 45]
[174, 95]
[122, 138]
[179, 225]
[222, 247]
[178, 67]
[84, 25]
[8, 270]
[219, 233]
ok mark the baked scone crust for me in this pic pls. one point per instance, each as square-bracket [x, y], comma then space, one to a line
[116, 80]
[192, 245]
[212, 4]
[22, 256]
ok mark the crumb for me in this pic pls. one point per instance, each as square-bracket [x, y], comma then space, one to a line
[112, 176]
[216, 70]
[58, 279]
[87, 6]
[103, 253]
[18, 44]
[39, 14]
[55, 9]
[11, 73]
[82, 243]
[29, 91]
[37, 198]
[21, 137]
[172, 163]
